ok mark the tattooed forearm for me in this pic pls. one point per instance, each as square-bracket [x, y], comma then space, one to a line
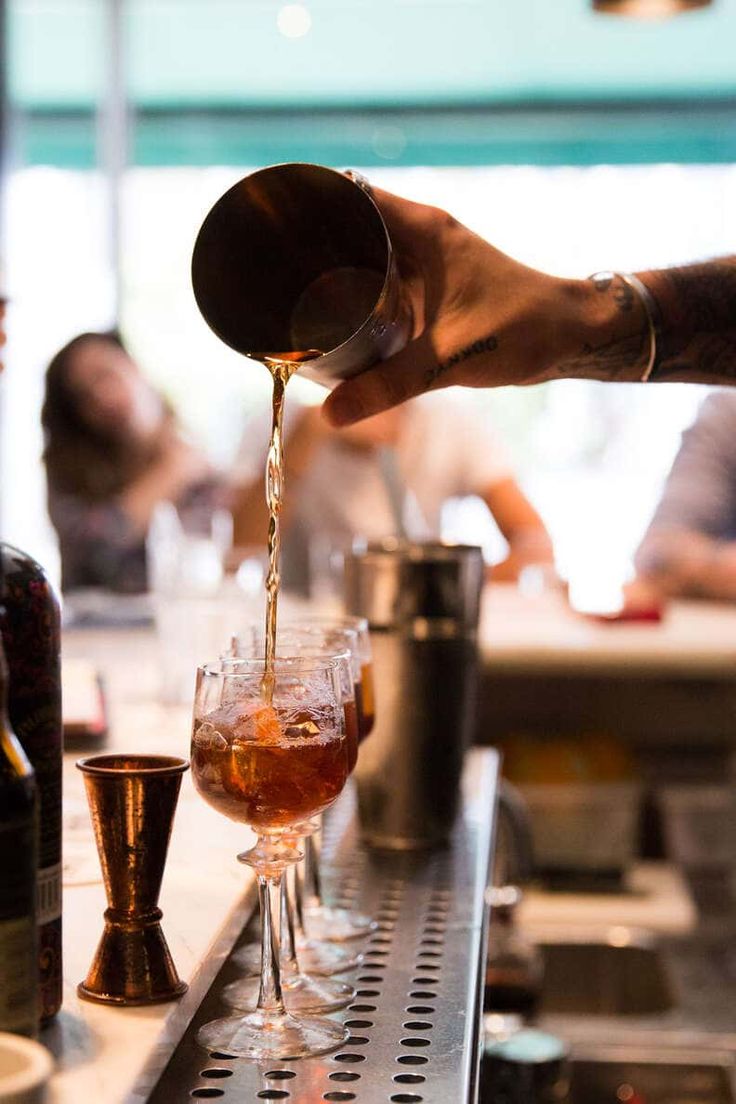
[484, 345]
[611, 361]
[698, 308]
[695, 322]
[707, 358]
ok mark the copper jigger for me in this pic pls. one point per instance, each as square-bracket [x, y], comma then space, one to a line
[132, 799]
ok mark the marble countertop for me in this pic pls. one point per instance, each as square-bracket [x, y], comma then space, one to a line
[112, 1054]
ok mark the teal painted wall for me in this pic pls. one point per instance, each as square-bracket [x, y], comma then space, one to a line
[370, 51]
[377, 81]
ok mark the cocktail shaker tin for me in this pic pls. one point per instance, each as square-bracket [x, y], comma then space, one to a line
[422, 603]
[296, 258]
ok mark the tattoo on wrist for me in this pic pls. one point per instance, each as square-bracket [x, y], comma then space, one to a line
[617, 358]
[612, 361]
[484, 345]
[622, 293]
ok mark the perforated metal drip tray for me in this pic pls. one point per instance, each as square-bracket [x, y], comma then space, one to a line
[415, 1020]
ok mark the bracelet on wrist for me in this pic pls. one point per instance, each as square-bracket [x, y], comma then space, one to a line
[650, 308]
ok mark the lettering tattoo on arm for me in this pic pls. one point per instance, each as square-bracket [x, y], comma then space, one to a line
[484, 345]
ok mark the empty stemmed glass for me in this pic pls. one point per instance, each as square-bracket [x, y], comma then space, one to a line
[270, 753]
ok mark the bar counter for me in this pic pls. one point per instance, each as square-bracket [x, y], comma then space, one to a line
[543, 635]
[116, 1055]
[667, 686]
[110, 1054]
[113, 1054]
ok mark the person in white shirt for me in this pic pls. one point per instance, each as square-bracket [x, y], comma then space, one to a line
[387, 476]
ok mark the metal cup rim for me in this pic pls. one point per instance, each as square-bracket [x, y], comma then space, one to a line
[265, 170]
[117, 764]
[413, 551]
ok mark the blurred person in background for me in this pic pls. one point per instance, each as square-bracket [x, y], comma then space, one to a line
[689, 548]
[113, 450]
[387, 476]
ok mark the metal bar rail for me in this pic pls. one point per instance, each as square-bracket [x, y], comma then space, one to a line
[415, 1020]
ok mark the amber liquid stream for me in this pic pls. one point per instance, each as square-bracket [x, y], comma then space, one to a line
[282, 367]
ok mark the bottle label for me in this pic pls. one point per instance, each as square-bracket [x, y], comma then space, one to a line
[18, 965]
[48, 889]
[18, 981]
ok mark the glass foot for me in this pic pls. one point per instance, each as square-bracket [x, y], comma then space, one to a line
[248, 959]
[323, 959]
[265, 1036]
[336, 924]
[302, 993]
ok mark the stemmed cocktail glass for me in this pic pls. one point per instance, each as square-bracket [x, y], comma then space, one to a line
[326, 636]
[298, 952]
[270, 752]
[302, 992]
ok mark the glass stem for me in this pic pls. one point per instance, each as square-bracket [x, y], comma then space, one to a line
[287, 945]
[270, 893]
[297, 876]
[312, 880]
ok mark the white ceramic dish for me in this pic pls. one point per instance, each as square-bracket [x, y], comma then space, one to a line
[25, 1068]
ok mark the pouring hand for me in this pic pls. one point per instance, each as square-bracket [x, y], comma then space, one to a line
[482, 319]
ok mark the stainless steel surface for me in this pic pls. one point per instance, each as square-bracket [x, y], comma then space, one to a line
[415, 1021]
[423, 588]
[675, 1079]
[604, 979]
[408, 772]
[688, 1042]
[421, 601]
[297, 258]
[665, 1027]
[608, 1075]
[700, 975]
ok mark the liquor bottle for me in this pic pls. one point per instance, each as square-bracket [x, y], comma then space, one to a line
[18, 853]
[30, 629]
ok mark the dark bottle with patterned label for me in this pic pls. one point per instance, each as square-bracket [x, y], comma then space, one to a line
[30, 628]
[18, 856]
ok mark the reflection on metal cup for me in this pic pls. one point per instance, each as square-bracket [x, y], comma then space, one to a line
[296, 258]
[422, 603]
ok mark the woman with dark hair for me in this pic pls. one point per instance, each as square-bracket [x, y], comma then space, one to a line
[113, 451]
